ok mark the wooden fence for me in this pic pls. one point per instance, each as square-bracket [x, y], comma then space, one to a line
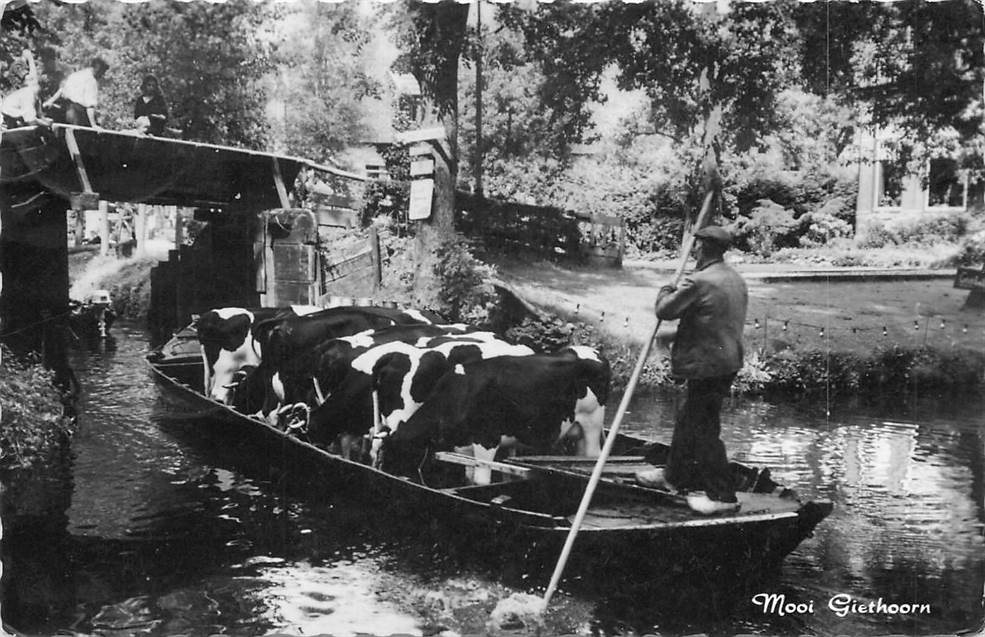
[541, 230]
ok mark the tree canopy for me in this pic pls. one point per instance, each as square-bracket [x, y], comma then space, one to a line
[912, 65]
[321, 77]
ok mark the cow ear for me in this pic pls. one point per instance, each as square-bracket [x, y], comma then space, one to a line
[432, 367]
[378, 368]
[239, 329]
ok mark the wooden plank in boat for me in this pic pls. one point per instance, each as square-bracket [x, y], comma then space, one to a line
[621, 475]
[577, 460]
[759, 508]
[470, 461]
[614, 465]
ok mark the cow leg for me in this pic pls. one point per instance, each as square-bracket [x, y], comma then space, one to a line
[206, 373]
[280, 407]
[483, 473]
[347, 443]
[378, 432]
[590, 415]
[469, 471]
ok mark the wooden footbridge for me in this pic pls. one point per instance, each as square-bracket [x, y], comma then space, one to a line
[45, 172]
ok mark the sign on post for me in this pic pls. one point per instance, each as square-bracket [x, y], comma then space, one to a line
[421, 196]
[970, 279]
[422, 167]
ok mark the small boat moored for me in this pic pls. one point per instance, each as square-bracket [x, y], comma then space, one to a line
[93, 315]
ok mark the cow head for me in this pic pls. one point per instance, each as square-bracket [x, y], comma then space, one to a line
[227, 345]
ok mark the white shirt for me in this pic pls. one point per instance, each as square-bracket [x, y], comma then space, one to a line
[20, 103]
[82, 88]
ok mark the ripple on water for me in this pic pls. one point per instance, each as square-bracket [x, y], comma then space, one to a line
[338, 599]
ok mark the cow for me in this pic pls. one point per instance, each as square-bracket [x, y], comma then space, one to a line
[233, 338]
[287, 338]
[310, 376]
[228, 344]
[399, 376]
[538, 401]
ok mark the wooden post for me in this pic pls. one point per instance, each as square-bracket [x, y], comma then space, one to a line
[285, 201]
[103, 228]
[374, 246]
[766, 334]
[80, 227]
[140, 229]
[179, 227]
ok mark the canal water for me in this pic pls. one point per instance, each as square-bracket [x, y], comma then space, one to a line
[170, 532]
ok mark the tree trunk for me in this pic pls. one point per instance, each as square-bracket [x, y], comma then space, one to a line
[442, 28]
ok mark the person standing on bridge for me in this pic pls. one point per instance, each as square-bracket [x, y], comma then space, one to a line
[707, 351]
[150, 109]
[79, 94]
[20, 107]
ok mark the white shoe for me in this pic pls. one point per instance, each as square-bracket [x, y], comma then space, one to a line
[700, 503]
[654, 479]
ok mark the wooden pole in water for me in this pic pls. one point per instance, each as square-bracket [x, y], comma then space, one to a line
[620, 412]
[103, 228]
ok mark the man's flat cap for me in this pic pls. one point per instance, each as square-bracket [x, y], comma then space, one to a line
[717, 234]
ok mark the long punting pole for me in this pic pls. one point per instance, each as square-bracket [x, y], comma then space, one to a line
[620, 412]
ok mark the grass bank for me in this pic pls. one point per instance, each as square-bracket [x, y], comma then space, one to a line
[855, 337]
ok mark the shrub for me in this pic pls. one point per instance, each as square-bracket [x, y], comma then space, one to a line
[464, 292]
[848, 261]
[971, 252]
[753, 377]
[770, 226]
[915, 231]
[801, 192]
[822, 227]
[32, 421]
[541, 335]
[385, 197]
[659, 224]
[761, 185]
[892, 369]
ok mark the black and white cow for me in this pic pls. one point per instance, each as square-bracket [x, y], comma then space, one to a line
[284, 339]
[228, 340]
[535, 400]
[401, 376]
[235, 338]
[309, 377]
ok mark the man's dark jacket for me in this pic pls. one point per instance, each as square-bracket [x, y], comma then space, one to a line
[711, 305]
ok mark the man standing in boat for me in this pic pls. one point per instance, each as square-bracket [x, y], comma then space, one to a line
[707, 351]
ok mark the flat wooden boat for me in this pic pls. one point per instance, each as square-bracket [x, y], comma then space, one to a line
[533, 499]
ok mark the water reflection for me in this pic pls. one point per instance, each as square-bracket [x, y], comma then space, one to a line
[174, 531]
[908, 520]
